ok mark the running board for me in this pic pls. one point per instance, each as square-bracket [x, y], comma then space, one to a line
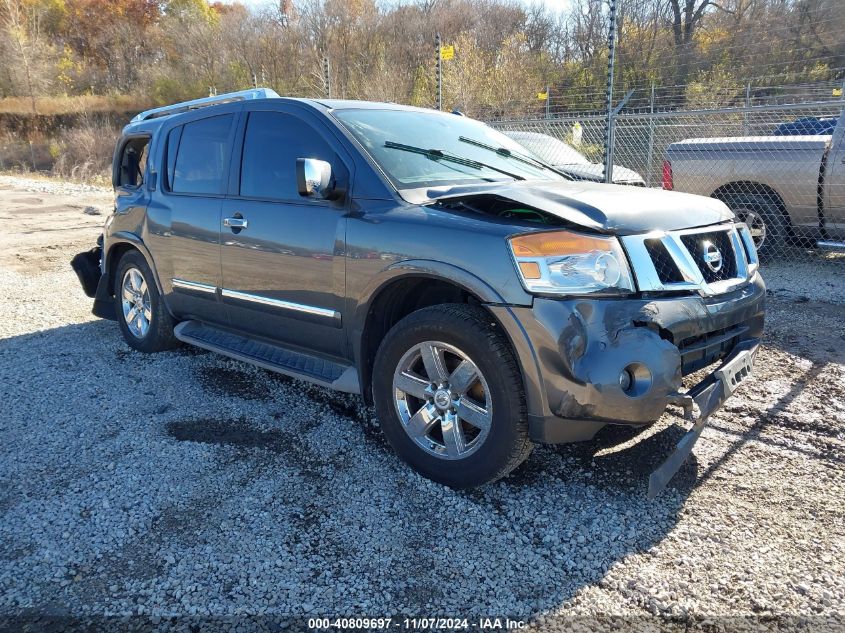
[830, 245]
[268, 356]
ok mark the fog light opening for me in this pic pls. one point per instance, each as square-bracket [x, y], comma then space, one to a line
[625, 380]
[635, 380]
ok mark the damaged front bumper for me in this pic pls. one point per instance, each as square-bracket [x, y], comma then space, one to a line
[699, 403]
[589, 362]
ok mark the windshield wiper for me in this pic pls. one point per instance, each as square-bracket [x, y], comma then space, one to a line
[509, 153]
[439, 154]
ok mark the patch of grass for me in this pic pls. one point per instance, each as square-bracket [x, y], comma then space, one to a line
[97, 180]
[74, 104]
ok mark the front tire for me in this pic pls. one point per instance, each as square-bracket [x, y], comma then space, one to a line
[144, 321]
[449, 396]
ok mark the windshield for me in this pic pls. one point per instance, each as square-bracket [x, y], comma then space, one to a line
[380, 131]
[549, 148]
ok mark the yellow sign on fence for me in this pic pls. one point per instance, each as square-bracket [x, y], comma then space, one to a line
[837, 92]
[543, 95]
[447, 52]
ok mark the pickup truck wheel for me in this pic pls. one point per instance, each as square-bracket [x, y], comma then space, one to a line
[141, 315]
[449, 396]
[769, 229]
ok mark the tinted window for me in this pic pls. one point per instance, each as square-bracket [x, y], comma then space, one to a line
[272, 144]
[172, 149]
[201, 157]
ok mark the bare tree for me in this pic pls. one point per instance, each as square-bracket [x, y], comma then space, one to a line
[687, 15]
[14, 26]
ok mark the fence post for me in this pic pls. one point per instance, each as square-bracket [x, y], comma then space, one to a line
[439, 73]
[548, 96]
[327, 78]
[611, 61]
[747, 105]
[649, 169]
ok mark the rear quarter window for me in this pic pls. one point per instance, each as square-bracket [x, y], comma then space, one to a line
[133, 162]
[200, 156]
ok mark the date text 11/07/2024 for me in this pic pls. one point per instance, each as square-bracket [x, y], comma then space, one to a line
[416, 624]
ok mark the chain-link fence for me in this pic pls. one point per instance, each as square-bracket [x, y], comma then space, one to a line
[780, 167]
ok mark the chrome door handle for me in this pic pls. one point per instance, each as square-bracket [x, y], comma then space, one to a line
[235, 223]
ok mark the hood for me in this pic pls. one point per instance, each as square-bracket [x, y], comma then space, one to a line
[595, 173]
[606, 208]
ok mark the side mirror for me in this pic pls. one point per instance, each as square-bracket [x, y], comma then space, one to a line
[314, 179]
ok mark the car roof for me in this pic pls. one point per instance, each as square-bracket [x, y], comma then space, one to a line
[140, 125]
[353, 104]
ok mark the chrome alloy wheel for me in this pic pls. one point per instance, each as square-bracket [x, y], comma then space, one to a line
[756, 227]
[135, 300]
[443, 400]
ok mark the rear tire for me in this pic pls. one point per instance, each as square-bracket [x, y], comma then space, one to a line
[449, 396]
[769, 227]
[144, 321]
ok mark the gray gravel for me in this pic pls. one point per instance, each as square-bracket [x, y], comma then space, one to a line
[187, 484]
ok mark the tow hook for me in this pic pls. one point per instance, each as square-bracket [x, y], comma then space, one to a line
[683, 400]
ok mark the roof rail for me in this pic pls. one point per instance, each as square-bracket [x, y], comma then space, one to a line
[184, 106]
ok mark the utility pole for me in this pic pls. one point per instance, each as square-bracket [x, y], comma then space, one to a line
[611, 62]
[439, 67]
[327, 78]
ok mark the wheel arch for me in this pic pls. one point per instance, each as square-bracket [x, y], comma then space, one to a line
[121, 243]
[407, 288]
[752, 189]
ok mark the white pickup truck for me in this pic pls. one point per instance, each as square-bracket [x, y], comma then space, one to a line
[789, 189]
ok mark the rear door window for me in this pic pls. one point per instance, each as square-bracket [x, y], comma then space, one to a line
[201, 157]
[272, 143]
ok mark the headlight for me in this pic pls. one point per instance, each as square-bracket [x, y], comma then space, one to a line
[567, 263]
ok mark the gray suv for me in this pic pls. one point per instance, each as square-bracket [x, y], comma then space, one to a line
[481, 300]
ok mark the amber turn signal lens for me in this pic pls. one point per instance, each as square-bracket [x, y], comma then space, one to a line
[555, 243]
[530, 270]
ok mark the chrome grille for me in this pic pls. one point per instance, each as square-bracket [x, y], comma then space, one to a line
[678, 260]
[697, 245]
[665, 266]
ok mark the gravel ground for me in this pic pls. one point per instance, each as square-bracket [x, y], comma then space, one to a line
[184, 484]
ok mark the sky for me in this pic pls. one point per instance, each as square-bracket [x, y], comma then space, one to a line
[555, 5]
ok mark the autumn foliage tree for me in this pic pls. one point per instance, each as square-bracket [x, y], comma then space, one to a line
[506, 52]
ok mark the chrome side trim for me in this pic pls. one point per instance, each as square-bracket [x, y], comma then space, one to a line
[182, 284]
[278, 303]
[648, 280]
